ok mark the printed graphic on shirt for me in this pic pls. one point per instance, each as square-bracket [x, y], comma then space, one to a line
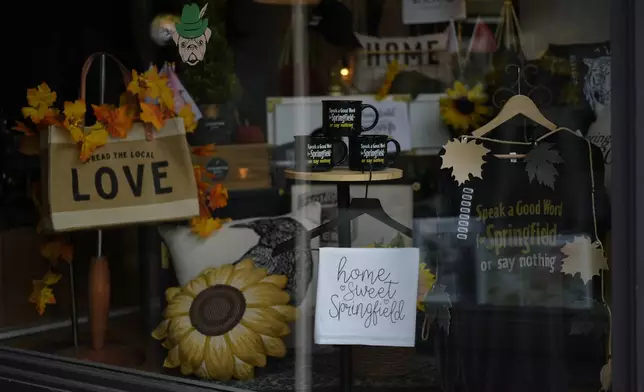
[597, 84]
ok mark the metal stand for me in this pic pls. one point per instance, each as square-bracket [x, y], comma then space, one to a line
[343, 178]
[99, 245]
[344, 241]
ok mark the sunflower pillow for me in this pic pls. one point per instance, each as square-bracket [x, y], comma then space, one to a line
[226, 322]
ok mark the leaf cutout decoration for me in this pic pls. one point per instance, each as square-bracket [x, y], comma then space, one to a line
[539, 164]
[438, 307]
[465, 158]
[583, 258]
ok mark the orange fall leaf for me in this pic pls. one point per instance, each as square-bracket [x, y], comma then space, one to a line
[207, 150]
[218, 197]
[22, 127]
[152, 114]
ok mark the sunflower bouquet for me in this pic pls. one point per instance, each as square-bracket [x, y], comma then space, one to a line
[464, 109]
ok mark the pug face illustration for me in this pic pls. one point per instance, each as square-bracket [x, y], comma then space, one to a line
[191, 34]
[192, 50]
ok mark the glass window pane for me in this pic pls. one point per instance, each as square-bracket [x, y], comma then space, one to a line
[319, 194]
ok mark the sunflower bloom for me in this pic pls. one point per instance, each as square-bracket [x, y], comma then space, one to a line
[226, 322]
[426, 281]
[464, 109]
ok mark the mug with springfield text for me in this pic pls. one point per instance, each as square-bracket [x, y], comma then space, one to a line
[369, 152]
[344, 118]
[317, 152]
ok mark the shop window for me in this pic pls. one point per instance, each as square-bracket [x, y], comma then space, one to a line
[173, 212]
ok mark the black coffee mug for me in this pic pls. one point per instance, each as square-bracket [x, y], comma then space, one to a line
[369, 152]
[317, 152]
[344, 118]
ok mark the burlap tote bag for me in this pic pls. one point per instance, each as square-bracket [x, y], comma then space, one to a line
[145, 177]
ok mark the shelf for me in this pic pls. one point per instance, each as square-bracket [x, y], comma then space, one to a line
[345, 175]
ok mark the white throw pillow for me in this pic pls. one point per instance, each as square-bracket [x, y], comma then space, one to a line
[239, 239]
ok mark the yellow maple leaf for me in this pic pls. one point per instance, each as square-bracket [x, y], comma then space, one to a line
[41, 96]
[151, 114]
[74, 109]
[188, 116]
[39, 114]
[166, 96]
[465, 158]
[51, 278]
[134, 86]
[205, 226]
[96, 137]
[42, 295]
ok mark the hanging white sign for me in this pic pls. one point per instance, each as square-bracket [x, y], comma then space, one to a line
[393, 121]
[432, 11]
[367, 296]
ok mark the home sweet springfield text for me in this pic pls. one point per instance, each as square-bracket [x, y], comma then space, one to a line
[367, 294]
[534, 243]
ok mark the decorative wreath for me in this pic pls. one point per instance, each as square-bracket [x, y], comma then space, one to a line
[225, 322]
[148, 99]
[464, 109]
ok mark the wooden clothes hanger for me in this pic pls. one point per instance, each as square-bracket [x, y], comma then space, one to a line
[518, 104]
[357, 208]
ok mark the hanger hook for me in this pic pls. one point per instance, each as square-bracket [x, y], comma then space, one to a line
[519, 79]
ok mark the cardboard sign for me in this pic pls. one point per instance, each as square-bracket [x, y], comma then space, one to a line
[393, 121]
[426, 54]
[126, 181]
[367, 296]
[432, 11]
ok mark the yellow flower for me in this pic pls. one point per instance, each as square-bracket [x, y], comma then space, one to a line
[225, 322]
[426, 281]
[464, 109]
[42, 96]
[204, 226]
[42, 295]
